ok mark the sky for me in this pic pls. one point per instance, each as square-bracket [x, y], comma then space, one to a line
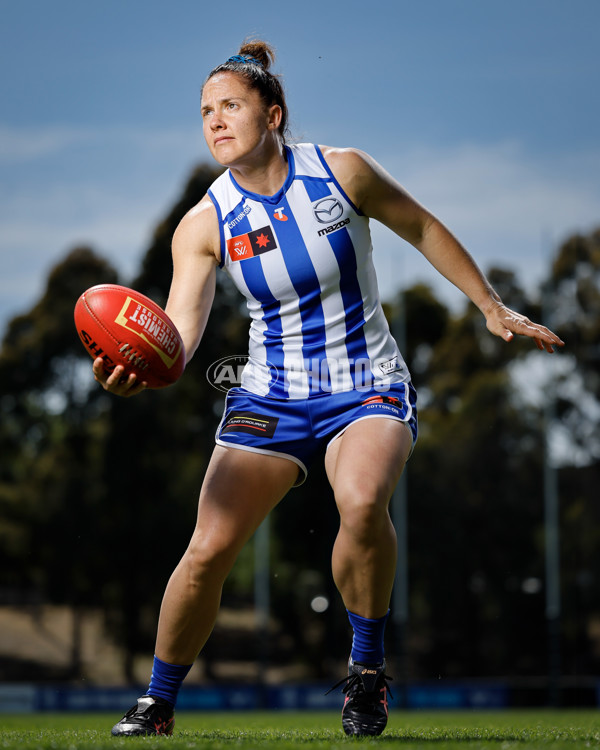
[488, 112]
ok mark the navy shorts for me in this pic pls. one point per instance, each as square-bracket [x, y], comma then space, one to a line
[298, 429]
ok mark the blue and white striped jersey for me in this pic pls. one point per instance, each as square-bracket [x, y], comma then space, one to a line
[303, 260]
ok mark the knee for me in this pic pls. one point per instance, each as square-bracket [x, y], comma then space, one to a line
[364, 514]
[209, 556]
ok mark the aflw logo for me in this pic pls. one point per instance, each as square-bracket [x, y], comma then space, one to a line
[253, 243]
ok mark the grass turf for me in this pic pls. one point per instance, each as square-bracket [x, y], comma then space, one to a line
[440, 730]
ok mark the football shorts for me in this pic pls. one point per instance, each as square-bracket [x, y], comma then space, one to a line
[299, 429]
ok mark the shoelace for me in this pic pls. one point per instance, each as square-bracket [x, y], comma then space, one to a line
[132, 711]
[352, 679]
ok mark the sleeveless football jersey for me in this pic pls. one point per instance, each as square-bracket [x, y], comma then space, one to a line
[303, 260]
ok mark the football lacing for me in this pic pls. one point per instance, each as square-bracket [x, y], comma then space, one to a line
[136, 359]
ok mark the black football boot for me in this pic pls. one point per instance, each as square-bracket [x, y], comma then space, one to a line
[150, 716]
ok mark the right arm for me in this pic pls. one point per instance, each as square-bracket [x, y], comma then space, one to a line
[196, 254]
[195, 259]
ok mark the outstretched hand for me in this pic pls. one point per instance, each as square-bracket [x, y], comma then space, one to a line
[115, 381]
[504, 322]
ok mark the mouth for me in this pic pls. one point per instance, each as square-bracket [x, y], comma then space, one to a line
[222, 139]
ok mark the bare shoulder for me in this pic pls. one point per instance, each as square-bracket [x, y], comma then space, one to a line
[353, 169]
[346, 160]
[376, 193]
[198, 231]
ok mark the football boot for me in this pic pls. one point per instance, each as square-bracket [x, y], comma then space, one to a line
[365, 711]
[150, 716]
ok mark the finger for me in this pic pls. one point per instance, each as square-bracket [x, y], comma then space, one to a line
[549, 335]
[543, 343]
[128, 381]
[128, 385]
[98, 369]
[543, 337]
[116, 377]
[547, 340]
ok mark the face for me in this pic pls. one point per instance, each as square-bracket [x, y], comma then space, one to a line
[238, 128]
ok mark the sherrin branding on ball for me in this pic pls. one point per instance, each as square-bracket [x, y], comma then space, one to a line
[127, 328]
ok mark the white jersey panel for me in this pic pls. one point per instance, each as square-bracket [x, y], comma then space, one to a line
[303, 260]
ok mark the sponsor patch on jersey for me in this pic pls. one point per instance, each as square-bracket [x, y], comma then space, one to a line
[240, 217]
[249, 245]
[250, 422]
[327, 210]
[334, 227]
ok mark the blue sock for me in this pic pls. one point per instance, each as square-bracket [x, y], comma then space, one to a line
[166, 680]
[367, 643]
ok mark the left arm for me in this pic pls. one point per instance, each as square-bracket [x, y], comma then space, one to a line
[380, 197]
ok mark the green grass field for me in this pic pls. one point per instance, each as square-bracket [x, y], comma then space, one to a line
[440, 730]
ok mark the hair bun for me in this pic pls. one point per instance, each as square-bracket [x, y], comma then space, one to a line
[260, 50]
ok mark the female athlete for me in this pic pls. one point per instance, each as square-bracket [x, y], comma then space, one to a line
[290, 224]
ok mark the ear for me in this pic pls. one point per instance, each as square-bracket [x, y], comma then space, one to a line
[274, 117]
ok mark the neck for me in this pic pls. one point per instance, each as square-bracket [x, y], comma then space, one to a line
[266, 177]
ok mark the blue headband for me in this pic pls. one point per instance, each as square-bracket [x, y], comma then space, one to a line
[244, 59]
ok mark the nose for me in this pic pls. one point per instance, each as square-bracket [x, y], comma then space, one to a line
[216, 122]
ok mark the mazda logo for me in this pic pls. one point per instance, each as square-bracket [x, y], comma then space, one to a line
[328, 210]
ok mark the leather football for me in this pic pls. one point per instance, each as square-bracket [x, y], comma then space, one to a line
[127, 328]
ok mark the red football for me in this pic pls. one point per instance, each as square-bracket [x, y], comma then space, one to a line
[127, 328]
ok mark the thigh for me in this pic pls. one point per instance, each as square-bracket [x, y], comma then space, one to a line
[266, 426]
[239, 490]
[366, 461]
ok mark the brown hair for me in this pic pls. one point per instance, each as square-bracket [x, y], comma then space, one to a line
[253, 62]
